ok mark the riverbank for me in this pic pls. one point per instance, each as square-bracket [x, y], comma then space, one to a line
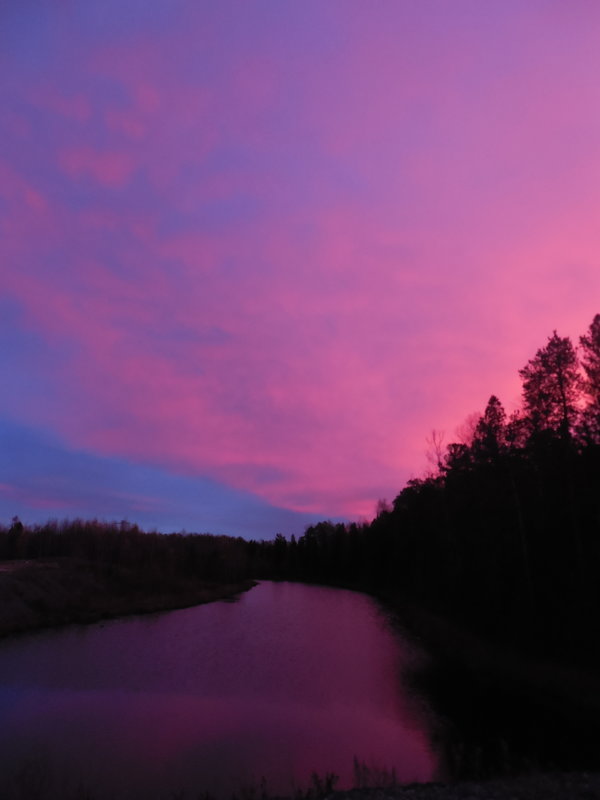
[501, 712]
[553, 786]
[32, 781]
[52, 592]
[496, 711]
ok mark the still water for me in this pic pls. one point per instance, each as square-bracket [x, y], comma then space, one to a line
[287, 680]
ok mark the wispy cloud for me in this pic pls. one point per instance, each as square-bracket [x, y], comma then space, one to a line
[273, 250]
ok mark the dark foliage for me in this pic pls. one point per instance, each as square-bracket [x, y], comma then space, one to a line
[504, 538]
[81, 572]
[114, 546]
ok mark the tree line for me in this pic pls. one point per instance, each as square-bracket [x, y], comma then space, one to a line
[125, 548]
[503, 535]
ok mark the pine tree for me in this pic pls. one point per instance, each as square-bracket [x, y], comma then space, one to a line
[551, 387]
[490, 432]
[590, 347]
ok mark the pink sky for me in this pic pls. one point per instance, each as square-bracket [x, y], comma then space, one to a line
[263, 249]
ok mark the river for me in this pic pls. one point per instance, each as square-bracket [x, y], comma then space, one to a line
[287, 680]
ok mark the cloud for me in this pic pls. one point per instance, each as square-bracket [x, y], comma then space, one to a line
[275, 252]
[112, 170]
[42, 477]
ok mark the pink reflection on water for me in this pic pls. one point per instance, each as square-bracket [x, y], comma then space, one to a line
[289, 680]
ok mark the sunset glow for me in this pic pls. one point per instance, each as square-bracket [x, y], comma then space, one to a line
[253, 252]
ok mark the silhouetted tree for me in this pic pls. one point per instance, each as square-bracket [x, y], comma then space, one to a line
[551, 386]
[490, 433]
[590, 347]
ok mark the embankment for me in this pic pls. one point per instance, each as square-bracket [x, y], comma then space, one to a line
[40, 594]
[553, 786]
[500, 711]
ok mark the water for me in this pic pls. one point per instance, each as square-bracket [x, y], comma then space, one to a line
[287, 680]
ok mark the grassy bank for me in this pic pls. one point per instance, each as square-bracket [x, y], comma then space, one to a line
[45, 593]
[36, 781]
[554, 786]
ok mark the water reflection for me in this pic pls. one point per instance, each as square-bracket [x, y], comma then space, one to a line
[289, 680]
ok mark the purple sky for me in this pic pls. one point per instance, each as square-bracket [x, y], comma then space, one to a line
[253, 251]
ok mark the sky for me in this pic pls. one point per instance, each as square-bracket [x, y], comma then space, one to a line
[252, 252]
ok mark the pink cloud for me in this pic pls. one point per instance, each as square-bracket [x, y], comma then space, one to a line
[18, 192]
[75, 107]
[110, 169]
[35, 498]
[354, 405]
[331, 256]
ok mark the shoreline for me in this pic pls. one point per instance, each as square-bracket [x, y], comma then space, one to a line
[533, 786]
[496, 712]
[40, 595]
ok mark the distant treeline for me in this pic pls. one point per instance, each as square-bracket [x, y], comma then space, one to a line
[503, 537]
[84, 571]
[111, 547]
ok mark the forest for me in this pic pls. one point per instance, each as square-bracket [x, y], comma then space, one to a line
[503, 536]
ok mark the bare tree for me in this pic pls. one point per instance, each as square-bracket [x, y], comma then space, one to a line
[435, 450]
